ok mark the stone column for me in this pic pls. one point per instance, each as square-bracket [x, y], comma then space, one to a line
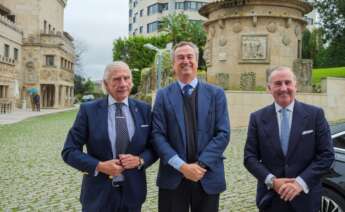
[56, 99]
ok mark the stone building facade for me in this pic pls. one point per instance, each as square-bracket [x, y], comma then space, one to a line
[246, 38]
[36, 55]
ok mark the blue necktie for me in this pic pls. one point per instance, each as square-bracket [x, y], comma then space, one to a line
[187, 90]
[284, 130]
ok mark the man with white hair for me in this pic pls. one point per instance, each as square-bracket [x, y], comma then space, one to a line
[116, 132]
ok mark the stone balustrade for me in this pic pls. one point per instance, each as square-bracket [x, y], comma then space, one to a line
[9, 23]
[7, 60]
[6, 105]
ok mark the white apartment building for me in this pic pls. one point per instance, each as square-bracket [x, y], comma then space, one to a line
[145, 15]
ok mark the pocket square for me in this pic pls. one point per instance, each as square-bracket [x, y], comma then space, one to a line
[307, 132]
[144, 125]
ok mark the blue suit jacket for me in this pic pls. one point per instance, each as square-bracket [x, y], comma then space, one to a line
[91, 129]
[309, 154]
[213, 131]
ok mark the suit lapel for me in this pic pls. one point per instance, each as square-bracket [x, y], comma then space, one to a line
[299, 119]
[102, 116]
[175, 98]
[203, 106]
[272, 130]
[136, 119]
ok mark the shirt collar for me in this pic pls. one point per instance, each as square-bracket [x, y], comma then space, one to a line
[289, 107]
[112, 101]
[193, 83]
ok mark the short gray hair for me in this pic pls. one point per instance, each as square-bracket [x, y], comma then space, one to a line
[114, 66]
[280, 68]
[186, 43]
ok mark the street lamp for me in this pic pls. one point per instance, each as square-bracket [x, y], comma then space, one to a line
[159, 62]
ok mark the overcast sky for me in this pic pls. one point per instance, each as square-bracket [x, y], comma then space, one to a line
[96, 23]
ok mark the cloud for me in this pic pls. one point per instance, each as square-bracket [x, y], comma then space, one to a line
[97, 24]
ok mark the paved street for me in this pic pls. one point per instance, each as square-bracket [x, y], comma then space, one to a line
[34, 178]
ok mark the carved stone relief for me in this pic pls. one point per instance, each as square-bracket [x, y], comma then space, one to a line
[255, 21]
[222, 41]
[223, 80]
[237, 27]
[30, 73]
[208, 53]
[248, 81]
[222, 56]
[286, 40]
[298, 30]
[288, 22]
[254, 47]
[272, 27]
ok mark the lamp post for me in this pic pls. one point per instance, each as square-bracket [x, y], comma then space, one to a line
[159, 62]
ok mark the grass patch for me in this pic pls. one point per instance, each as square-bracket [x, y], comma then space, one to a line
[320, 73]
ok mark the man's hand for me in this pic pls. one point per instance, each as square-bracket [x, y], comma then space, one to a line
[290, 190]
[110, 167]
[129, 161]
[192, 171]
[278, 182]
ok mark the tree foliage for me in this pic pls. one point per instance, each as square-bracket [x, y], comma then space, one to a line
[332, 17]
[132, 51]
[179, 28]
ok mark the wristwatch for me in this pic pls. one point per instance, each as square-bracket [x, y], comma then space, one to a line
[270, 182]
[141, 163]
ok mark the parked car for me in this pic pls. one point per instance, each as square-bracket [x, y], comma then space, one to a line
[87, 98]
[333, 197]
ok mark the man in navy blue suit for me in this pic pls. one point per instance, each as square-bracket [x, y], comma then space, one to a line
[288, 148]
[191, 131]
[116, 132]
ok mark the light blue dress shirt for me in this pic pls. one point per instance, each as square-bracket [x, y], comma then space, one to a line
[112, 126]
[289, 108]
[111, 121]
[176, 161]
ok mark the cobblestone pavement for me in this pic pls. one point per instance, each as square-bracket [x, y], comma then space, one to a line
[34, 178]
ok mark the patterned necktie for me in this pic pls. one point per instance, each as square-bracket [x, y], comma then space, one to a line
[284, 130]
[187, 90]
[122, 136]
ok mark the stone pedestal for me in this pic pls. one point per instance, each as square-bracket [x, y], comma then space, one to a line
[247, 37]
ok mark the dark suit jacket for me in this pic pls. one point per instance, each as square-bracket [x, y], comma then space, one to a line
[213, 131]
[91, 129]
[310, 152]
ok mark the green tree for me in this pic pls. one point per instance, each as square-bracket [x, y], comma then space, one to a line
[332, 18]
[179, 28]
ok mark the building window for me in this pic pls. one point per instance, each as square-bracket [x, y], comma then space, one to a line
[7, 50]
[15, 53]
[189, 5]
[141, 13]
[130, 13]
[3, 91]
[141, 29]
[135, 18]
[151, 27]
[129, 27]
[179, 5]
[157, 8]
[135, 3]
[50, 60]
[44, 26]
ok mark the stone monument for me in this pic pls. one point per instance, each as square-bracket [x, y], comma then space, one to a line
[247, 37]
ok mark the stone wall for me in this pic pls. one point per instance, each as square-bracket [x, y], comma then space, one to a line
[242, 103]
